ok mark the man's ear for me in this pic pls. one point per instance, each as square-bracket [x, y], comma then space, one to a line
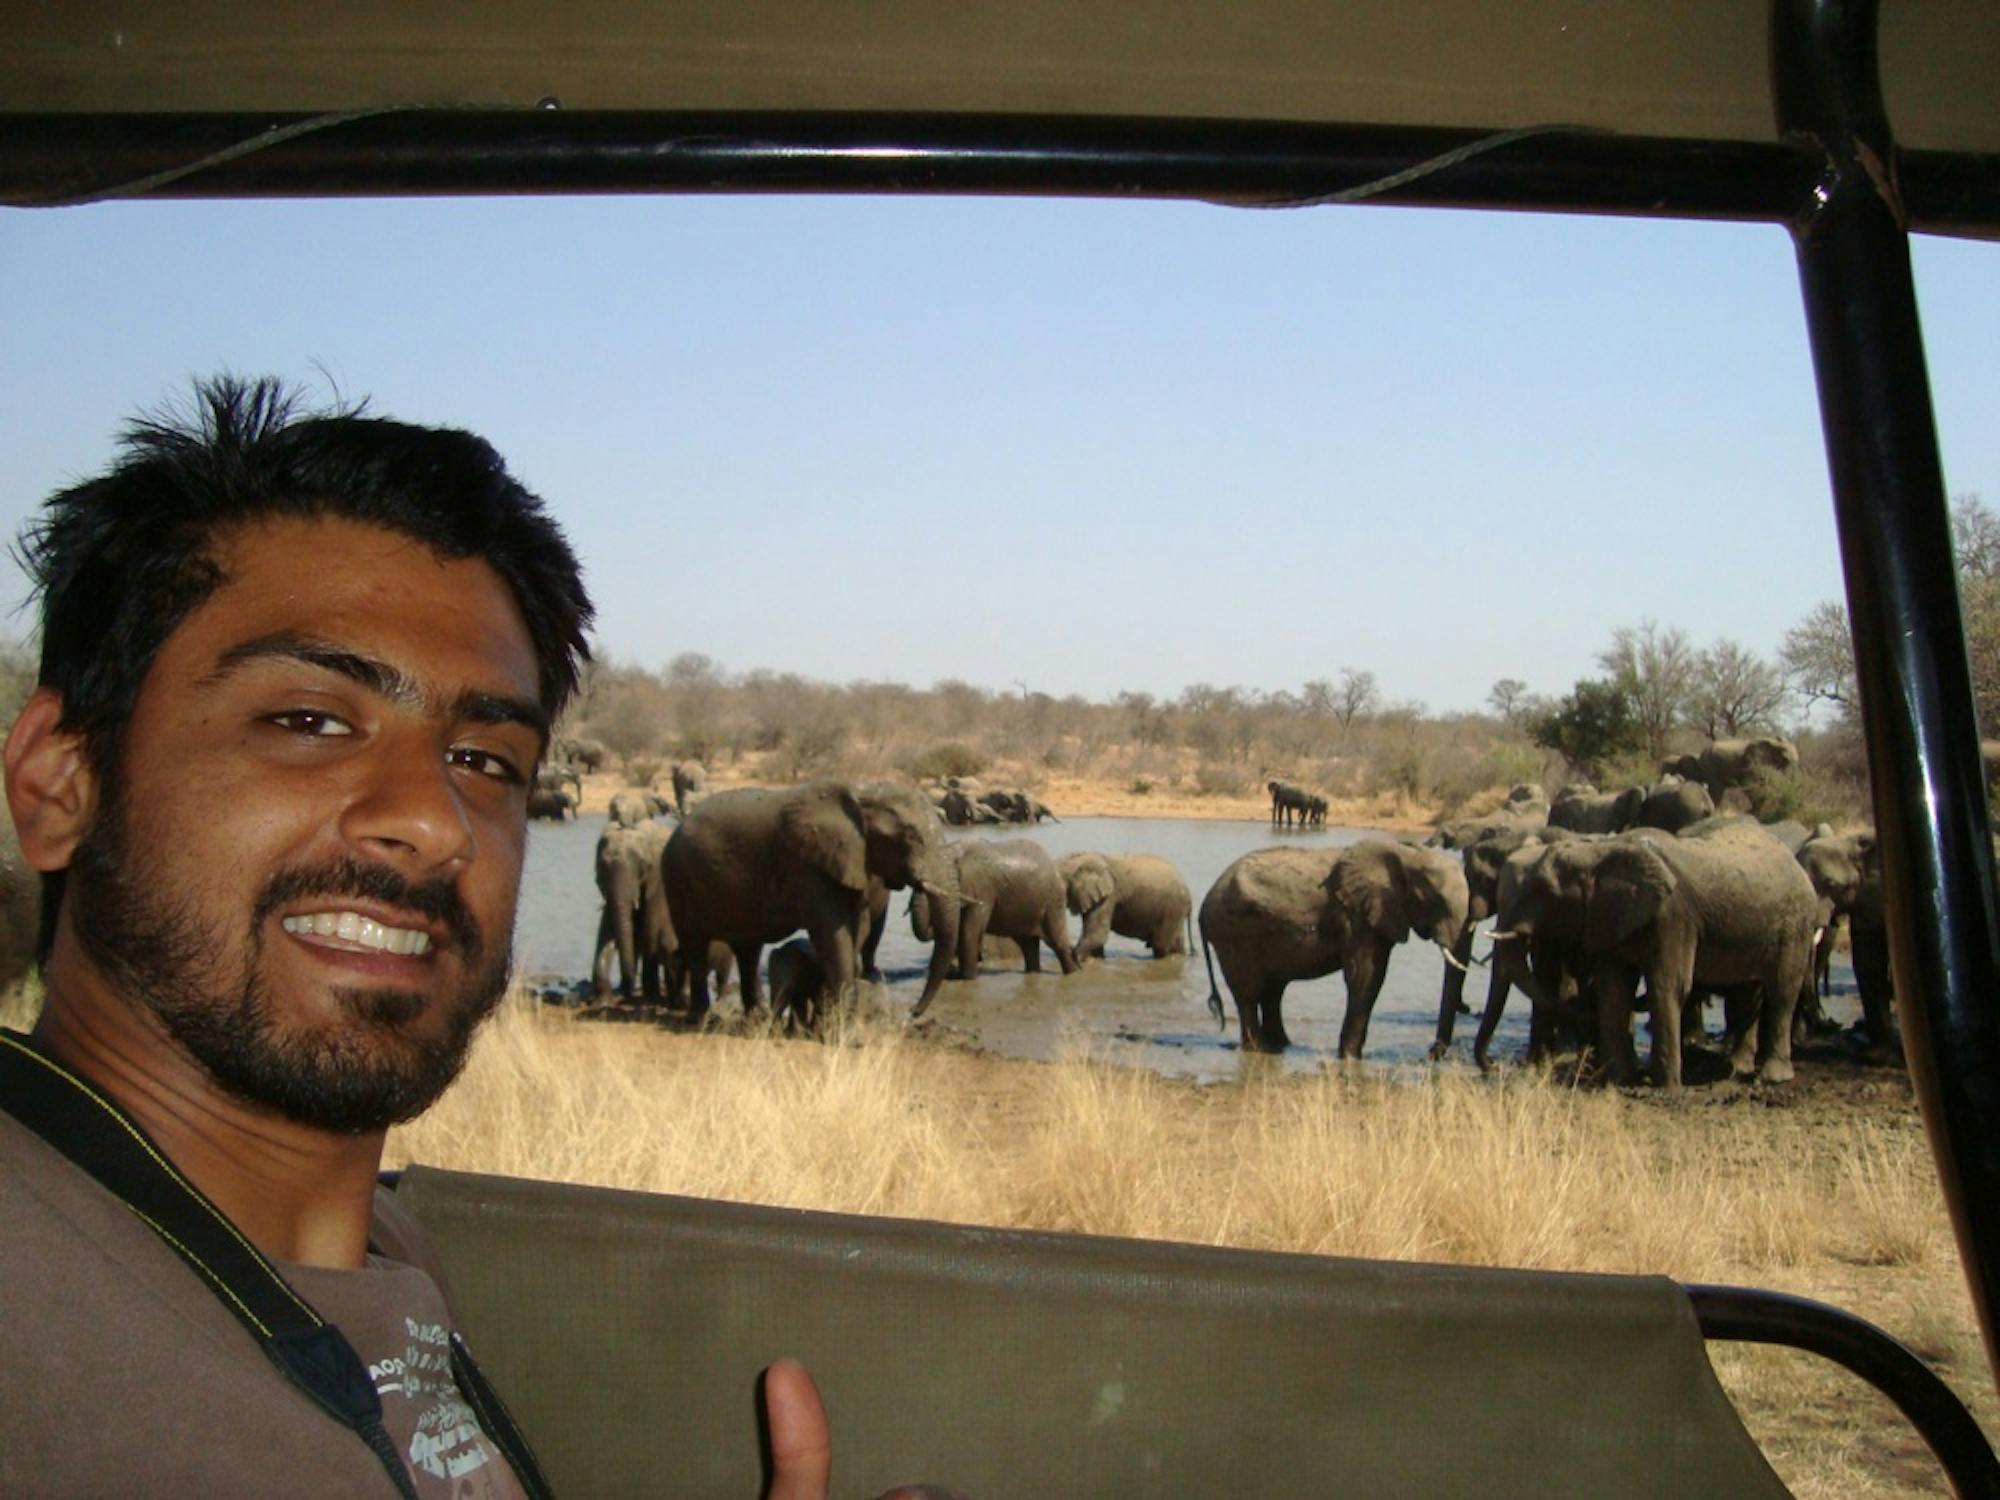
[51, 788]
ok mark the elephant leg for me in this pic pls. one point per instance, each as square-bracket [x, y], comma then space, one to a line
[1739, 1026]
[694, 942]
[1451, 995]
[1614, 984]
[602, 952]
[1096, 930]
[1774, 1025]
[1878, 995]
[971, 936]
[1364, 972]
[1031, 953]
[1271, 1016]
[1668, 996]
[752, 984]
[834, 942]
[1055, 932]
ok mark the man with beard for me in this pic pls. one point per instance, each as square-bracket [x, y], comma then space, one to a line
[297, 673]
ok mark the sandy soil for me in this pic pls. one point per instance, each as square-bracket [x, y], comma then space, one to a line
[1082, 797]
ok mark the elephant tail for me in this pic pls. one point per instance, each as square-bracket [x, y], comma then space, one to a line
[1214, 993]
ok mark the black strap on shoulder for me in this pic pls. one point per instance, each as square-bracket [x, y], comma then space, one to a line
[79, 1121]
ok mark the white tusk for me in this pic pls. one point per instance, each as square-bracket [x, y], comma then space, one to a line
[1451, 958]
[1505, 937]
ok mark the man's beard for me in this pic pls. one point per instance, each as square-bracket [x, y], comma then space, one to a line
[349, 1076]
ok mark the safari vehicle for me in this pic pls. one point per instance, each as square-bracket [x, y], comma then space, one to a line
[626, 1328]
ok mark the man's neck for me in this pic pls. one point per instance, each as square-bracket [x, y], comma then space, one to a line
[298, 1193]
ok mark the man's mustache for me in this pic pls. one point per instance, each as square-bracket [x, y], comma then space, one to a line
[436, 899]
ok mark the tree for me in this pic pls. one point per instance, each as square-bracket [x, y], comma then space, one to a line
[1734, 692]
[1505, 697]
[1594, 722]
[1818, 658]
[1657, 668]
[1356, 695]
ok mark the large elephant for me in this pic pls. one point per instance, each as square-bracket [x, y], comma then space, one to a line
[1289, 803]
[1723, 764]
[1009, 888]
[632, 807]
[1483, 858]
[1674, 803]
[1724, 907]
[1134, 895]
[636, 926]
[1277, 915]
[1584, 809]
[752, 867]
[1846, 876]
[1012, 805]
[583, 752]
[690, 781]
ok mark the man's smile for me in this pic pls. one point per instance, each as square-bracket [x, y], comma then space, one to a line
[349, 929]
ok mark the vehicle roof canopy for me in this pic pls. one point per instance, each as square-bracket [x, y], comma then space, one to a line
[1639, 67]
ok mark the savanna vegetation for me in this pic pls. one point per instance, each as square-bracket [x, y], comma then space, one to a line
[1657, 691]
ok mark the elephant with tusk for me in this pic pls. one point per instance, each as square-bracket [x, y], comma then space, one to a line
[1277, 915]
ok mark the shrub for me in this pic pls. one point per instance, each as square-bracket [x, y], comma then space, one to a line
[1217, 779]
[940, 761]
[642, 771]
[1140, 785]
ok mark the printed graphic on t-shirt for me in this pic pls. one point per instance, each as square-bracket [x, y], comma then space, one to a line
[447, 1443]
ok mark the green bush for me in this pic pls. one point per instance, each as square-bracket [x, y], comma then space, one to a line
[1140, 785]
[941, 761]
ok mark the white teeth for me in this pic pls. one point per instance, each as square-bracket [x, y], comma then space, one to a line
[352, 927]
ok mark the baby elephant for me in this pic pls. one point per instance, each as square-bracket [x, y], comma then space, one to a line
[1010, 888]
[1134, 895]
[798, 989]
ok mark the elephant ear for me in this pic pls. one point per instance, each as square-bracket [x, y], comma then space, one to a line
[1370, 884]
[1629, 886]
[820, 826]
[1089, 881]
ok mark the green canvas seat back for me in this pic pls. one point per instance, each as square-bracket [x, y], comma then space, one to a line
[626, 1331]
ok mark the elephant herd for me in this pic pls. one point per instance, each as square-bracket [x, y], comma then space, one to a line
[751, 867]
[1294, 804]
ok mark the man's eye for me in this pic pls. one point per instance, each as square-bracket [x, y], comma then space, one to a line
[486, 763]
[312, 722]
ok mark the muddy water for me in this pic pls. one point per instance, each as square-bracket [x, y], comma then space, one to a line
[1147, 1012]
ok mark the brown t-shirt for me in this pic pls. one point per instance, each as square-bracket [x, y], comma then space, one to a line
[121, 1373]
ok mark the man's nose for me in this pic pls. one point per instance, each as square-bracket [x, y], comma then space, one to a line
[408, 808]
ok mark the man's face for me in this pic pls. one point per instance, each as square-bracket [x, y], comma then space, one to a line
[308, 865]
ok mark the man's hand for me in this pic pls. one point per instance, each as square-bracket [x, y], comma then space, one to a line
[801, 1445]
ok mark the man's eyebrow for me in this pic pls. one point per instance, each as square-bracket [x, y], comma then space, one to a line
[380, 678]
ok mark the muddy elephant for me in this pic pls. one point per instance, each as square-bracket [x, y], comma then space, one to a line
[1583, 809]
[1008, 888]
[1013, 805]
[690, 781]
[961, 809]
[633, 807]
[1723, 908]
[635, 927]
[1674, 803]
[752, 867]
[1277, 915]
[1846, 876]
[1134, 895]
[1724, 764]
[1483, 858]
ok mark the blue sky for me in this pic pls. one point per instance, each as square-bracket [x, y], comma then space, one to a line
[1087, 446]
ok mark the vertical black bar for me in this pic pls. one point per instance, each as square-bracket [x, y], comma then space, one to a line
[1909, 642]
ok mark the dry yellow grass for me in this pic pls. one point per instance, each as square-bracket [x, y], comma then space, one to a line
[1520, 1171]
